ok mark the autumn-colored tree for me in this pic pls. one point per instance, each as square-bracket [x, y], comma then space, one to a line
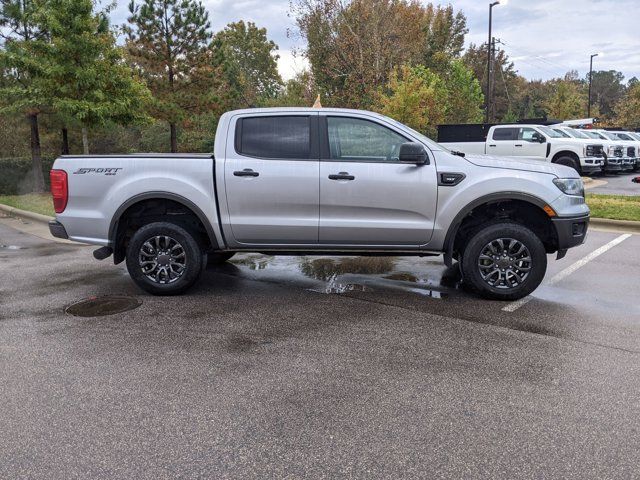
[21, 89]
[168, 43]
[568, 99]
[628, 108]
[353, 46]
[299, 91]
[250, 61]
[606, 90]
[415, 96]
[87, 80]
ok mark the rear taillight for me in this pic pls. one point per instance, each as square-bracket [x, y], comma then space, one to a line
[59, 190]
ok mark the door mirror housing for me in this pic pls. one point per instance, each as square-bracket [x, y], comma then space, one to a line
[413, 152]
[538, 138]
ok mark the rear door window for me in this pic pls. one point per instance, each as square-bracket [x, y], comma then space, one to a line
[505, 134]
[276, 137]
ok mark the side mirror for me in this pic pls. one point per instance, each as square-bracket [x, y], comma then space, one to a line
[538, 138]
[413, 152]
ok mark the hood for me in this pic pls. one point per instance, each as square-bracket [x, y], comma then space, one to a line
[522, 164]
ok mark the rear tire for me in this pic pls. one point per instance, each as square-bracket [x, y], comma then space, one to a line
[569, 162]
[504, 261]
[164, 258]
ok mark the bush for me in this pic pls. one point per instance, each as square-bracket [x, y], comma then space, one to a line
[16, 177]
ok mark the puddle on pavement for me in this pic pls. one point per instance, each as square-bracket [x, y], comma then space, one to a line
[338, 275]
[101, 306]
[10, 247]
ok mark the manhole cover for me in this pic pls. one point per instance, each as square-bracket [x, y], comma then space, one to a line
[100, 306]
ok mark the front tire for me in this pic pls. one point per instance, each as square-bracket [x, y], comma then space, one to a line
[504, 261]
[164, 258]
[570, 162]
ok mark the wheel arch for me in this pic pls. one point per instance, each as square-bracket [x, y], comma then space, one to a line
[494, 199]
[159, 195]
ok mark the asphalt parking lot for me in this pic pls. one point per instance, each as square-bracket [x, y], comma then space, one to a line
[319, 368]
[616, 184]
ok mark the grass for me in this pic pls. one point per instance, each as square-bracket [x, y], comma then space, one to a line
[33, 202]
[616, 207]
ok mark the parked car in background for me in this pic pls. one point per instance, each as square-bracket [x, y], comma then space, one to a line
[617, 158]
[632, 144]
[612, 164]
[290, 181]
[536, 142]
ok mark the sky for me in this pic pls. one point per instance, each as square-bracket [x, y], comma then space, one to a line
[544, 38]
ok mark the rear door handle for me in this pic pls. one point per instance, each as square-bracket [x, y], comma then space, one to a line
[518, 144]
[247, 172]
[492, 145]
[341, 176]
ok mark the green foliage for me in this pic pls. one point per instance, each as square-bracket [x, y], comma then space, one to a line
[87, 80]
[464, 94]
[567, 101]
[167, 42]
[444, 35]
[249, 62]
[628, 109]
[607, 90]
[298, 92]
[415, 96]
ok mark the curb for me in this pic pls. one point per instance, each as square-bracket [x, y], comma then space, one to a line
[605, 223]
[16, 212]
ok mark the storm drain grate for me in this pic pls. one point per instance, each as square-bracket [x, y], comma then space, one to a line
[101, 306]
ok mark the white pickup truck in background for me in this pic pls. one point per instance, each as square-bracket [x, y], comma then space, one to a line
[537, 142]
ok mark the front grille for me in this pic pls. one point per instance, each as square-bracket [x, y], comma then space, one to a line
[618, 152]
[631, 152]
[595, 151]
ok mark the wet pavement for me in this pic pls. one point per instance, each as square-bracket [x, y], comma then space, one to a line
[317, 367]
[617, 184]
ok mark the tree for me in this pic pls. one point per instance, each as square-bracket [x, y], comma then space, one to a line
[606, 90]
[299, 91]
[23, 71]
[352, 46]
[464, 94]
[87, 80]
[628, 108]
[505, 78]
[251, 59]
[415, 96]
[167, 41]
[444, 35]
[568, 99]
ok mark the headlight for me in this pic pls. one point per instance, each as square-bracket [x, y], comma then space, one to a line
[570, 186]
[592, 150]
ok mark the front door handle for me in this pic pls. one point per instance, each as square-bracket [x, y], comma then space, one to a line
[492, 145]
[341, 176]
[247, 172]
[518, 144]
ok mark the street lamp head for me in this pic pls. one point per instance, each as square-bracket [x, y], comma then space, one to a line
[503, 2]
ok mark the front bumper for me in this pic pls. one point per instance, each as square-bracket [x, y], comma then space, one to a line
[571, 231]
[614, 164]
[628, 163]
[592, 165]
[57, 229]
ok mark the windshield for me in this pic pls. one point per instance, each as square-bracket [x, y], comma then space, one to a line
[593, 135]
[564, 134]
[635, 135]
[574, 133]
[550, 132]
[623, 136]
[608, 136]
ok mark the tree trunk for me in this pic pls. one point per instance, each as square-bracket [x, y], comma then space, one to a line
[36, 159]
[65, 141]
[174, 138]
[85, 141]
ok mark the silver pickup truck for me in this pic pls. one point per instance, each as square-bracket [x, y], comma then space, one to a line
[293, 181]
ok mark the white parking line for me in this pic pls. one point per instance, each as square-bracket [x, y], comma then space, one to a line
[513, 306]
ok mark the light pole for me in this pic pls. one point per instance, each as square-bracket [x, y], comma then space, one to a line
[487, 99]
[590, 75]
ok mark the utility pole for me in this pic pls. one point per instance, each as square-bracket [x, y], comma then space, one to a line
[590, 75]
[487, 103]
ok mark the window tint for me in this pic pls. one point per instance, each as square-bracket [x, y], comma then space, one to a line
[274, 137]
[353, 139]
[505, 134]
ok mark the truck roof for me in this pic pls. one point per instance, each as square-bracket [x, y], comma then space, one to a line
[301, 109]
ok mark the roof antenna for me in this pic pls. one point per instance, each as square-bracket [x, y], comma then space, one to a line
[317, 103]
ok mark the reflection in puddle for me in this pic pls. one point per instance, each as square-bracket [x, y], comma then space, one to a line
[327, 268]
[10, 247]
[254, 262]
[404, 277]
